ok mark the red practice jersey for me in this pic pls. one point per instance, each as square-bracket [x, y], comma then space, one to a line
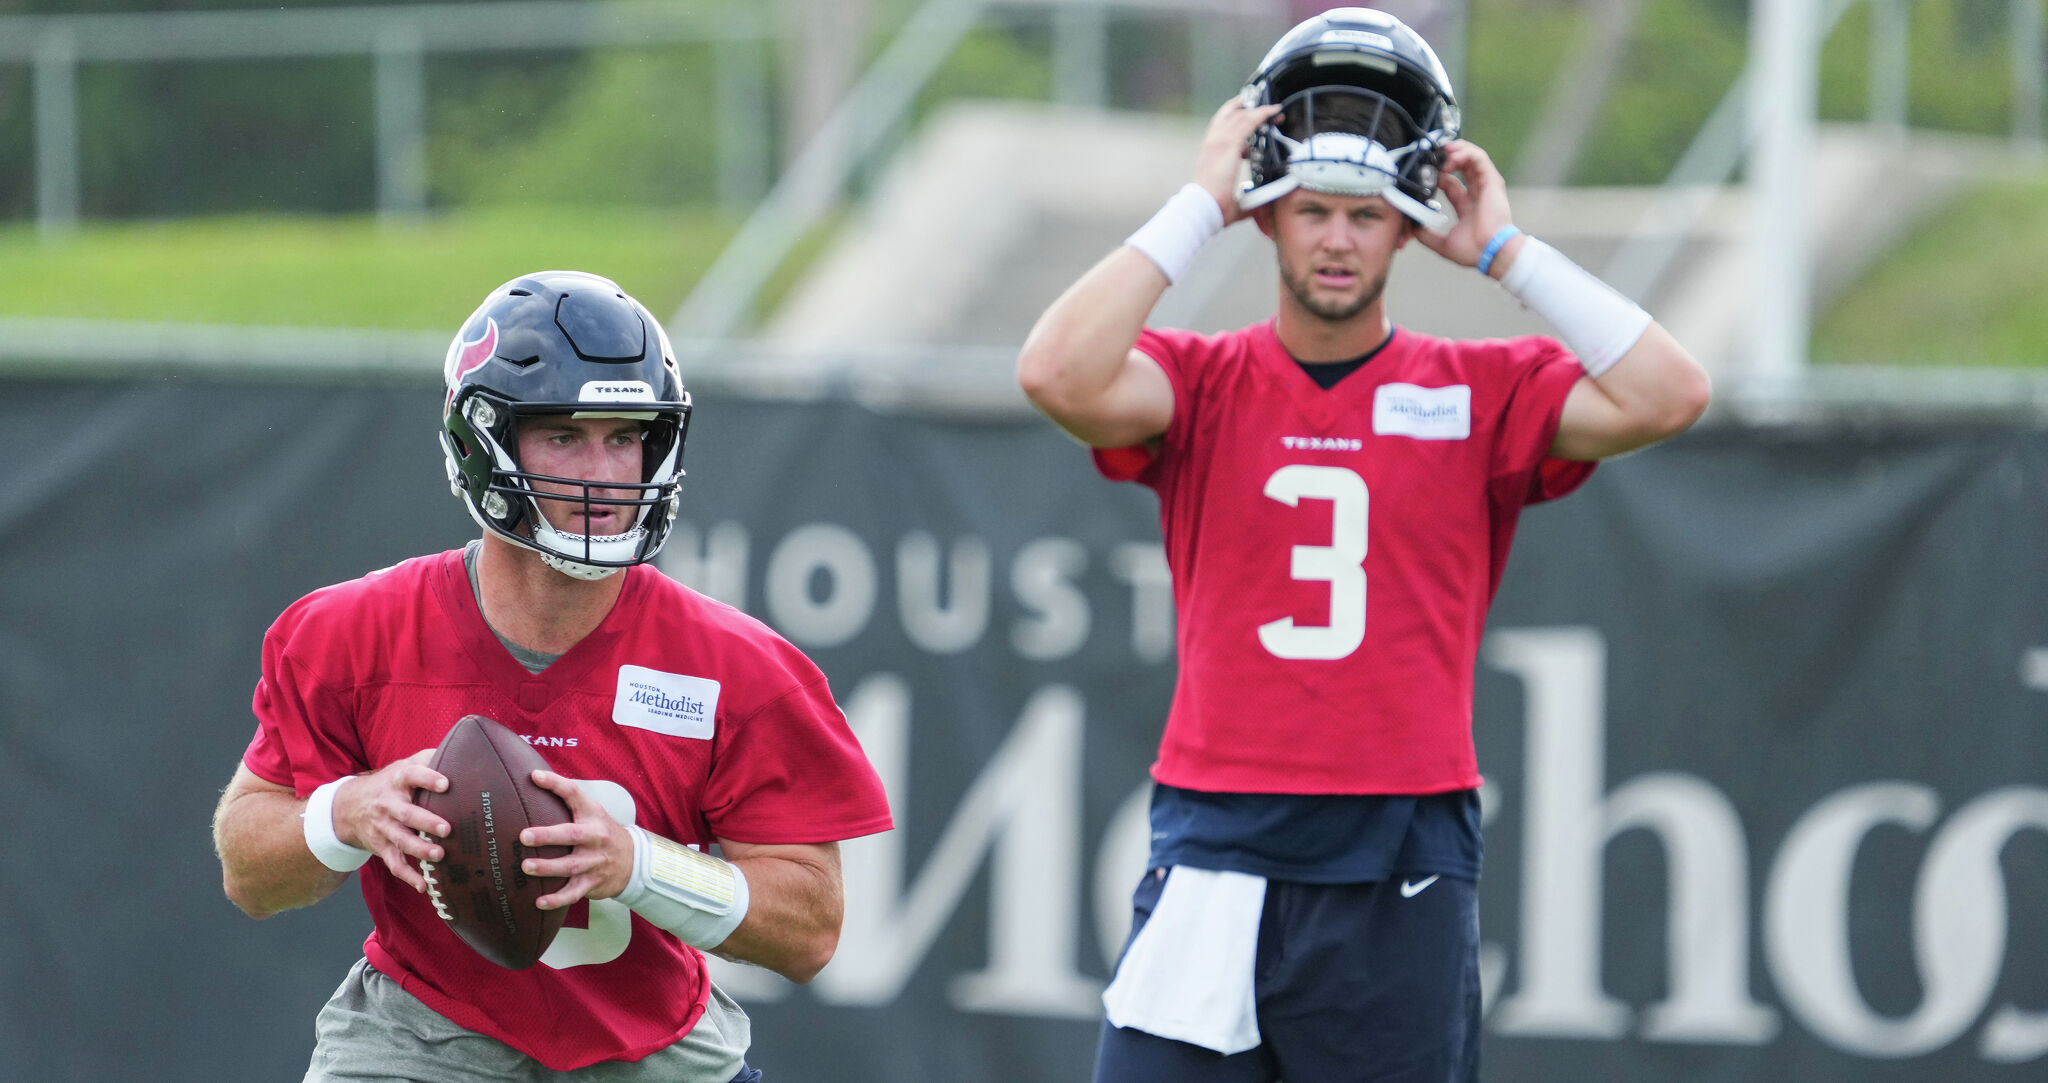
[1334, 552]
[692, 718]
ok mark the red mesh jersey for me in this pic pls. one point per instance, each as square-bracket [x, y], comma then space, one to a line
[697, 716]
[1334, 552]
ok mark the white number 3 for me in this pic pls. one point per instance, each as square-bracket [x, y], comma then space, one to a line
[611, 924]
[1340, 563]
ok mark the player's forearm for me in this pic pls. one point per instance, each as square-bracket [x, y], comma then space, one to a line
[792, 925]
[1655, 391]
[1644, 386]
[265, 865]
[1074, 353]
[1658, 384]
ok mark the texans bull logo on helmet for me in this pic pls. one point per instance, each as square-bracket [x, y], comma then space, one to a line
[467, 356]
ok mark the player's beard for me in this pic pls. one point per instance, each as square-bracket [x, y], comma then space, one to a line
[1300, 282]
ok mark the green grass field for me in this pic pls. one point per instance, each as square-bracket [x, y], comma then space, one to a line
[348, 271]
[1967, 287]
[1964, 288]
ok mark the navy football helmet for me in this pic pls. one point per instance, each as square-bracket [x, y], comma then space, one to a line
[563, 342]
[1366, 110]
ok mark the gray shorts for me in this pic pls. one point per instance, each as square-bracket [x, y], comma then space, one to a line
[373, 1030]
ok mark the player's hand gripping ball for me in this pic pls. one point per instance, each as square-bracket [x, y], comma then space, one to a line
[477, 887]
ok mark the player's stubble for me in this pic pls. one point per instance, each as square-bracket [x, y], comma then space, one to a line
[1300, 282]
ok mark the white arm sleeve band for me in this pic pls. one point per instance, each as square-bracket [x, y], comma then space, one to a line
[1175, 235]
[690, 893]
[320, 837]
[1595, 321]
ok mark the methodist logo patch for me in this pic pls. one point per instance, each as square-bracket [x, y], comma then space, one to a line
[669, 703]
[1425, 413]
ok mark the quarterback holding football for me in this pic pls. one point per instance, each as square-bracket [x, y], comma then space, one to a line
[531, 746]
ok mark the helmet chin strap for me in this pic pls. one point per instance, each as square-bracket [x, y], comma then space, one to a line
[1343, 164]
[589, 573]
[552, 544]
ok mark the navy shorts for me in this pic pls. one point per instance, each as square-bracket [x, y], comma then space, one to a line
[1352, 981]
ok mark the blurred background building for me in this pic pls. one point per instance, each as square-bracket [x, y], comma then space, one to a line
[886, 176]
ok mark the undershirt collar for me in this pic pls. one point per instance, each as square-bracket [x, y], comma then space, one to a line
[1326, 374]
[533, 660]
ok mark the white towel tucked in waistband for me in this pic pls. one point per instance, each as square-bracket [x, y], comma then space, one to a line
[1188, 975]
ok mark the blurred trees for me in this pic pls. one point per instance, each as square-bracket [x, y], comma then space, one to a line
[637, 126]
[241, 136]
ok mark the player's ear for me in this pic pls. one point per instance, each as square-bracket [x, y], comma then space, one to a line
[1264, 217]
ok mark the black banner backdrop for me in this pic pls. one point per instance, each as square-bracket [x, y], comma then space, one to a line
[1762, 715]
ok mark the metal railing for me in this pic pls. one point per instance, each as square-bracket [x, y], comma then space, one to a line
[957, 382]
[1224, 36]
[720, 304]
[398, 40]
[1724, 140]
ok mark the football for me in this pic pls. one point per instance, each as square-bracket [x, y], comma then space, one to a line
[477, 887]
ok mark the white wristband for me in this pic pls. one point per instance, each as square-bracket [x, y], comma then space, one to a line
[1175, 235]
[1595, 321]
[320, 837]
[688, 892]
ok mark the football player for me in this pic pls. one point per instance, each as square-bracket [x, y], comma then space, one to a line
[1337, 496]
[672, 722]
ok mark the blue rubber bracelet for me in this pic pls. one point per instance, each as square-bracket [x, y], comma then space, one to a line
[1493, 247]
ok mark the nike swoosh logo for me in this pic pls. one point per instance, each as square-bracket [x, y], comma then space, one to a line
[1412, 888]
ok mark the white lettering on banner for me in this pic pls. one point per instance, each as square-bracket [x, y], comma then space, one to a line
[1143, 566]
[1025, 807]
[1043, 579]
[1959, 926]
[849, 597]
[1962, 879]
[1021, 818]
[938, 620]
[822, 586]
[1568, 827]
[1493, 958]
[1959, 901]
[1023, 812]
[2034, 668]
[1125, 852]
[714, 565]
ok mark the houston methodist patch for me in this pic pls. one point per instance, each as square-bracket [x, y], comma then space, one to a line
[1425, 413]
[670, 703]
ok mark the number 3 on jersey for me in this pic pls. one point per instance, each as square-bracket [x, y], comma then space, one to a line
[1341, 563]
[611, 925]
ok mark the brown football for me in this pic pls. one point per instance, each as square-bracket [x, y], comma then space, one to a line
[477, 887]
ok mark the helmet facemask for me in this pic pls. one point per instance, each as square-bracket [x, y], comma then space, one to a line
[563, 344]
[1365, 111]
[506, 500]
[1349, 141]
